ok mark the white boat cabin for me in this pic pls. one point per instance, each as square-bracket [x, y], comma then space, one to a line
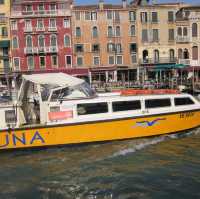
[57, 98]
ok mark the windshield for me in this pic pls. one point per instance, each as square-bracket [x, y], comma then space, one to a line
[81, 91]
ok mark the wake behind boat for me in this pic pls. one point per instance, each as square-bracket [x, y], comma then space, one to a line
[57, 109]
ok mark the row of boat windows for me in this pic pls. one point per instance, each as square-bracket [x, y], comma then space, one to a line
[102, 107]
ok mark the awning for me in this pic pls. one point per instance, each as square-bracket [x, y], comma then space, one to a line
[169, 66]
[5, 44]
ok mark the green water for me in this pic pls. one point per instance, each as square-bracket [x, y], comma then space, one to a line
[167, 167]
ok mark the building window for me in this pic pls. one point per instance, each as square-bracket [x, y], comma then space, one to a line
[52, 23]
[30, 62]
[54, 60]
[53, 40]
[41, 8]
[109, 15]
[144, 17]
[118, 48]
[156, 56]
[180, 53]
[96, 60]
[133, 58]
[111, 60]
[111, 47]
[79, 61]
[78, 15]
[53, 7]
[171, 34]
[94, 32]
[195, 52]
[118, 33]
[67, 41]
[87, 15]
[119, 59]
[29, 8]
[68, 59]
[79, 48]
[179, 31]
[95, 48]
[29, 41]
[172, 55]
[194, 30]
[1, 1]
[132, 16]
[93, 16]
[185, 31]
[170, 16]
[28, 25]
[42, 62]
[133, 48]
[4, 32]
[66, 23]
[155, 35]
[78, 31]
[154, 17]
[117, 16]
[132, 30]
[110, 31]
[41, 41]
[13, 25]
[145, 35]
[16, 63]
[15, 42]
[40, 24]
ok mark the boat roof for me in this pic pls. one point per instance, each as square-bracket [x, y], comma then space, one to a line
[58, 79]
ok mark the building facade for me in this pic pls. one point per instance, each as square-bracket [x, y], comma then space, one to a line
[4, 37]
[157, 39]
[104, 39]
[41, 35]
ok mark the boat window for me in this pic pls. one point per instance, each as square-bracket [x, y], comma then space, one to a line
[126, 105]
[92, 108]
[10, 116]
[183, 101]
[157, 103]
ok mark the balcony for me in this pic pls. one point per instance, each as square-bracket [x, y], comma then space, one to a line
[30, 50]
[28, 29]
[183, 39]
[52, 29]
[40, 29]
[163, 60]
[184, 61]
[53, 49]
[41, 13]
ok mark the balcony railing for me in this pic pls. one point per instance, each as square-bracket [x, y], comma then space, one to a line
[158, 61]
[41, 13]
[38, 50]
[28, 29]
[52, 28]
[184, 61]
[182, 39]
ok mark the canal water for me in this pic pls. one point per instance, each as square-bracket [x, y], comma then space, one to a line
[166, 167]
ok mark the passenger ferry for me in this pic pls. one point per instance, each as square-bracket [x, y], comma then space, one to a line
[57, 109]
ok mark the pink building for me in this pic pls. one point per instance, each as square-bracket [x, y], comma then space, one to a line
[41, 36]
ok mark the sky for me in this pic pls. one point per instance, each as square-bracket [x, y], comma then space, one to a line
[119, 1]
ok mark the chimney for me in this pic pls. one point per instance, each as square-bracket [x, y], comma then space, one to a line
[124, 3]
[101, 4]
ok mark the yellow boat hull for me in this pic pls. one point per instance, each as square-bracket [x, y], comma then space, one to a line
[118, 129]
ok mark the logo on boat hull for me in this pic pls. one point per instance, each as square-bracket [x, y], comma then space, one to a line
[20, 140]
[149, 123]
